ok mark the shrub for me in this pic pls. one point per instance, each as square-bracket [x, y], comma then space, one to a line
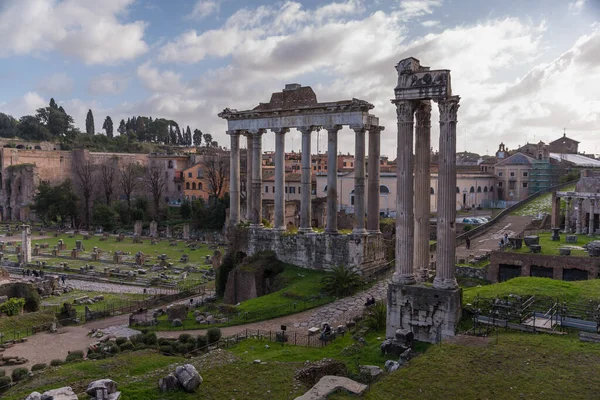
[213, 335]
[202, 341]
[164, 341]
[341, 281]
[56, 362]
[4, 383]
[19, 374]
[12, 306]
[376, 316]
[150, 339]
[38, 367]
[135, 339]
[120, 340]
[185, 337]
[166, 349]
[74, 356]
[139, 346]
[467, 228]
[126, 346]
[113, 348]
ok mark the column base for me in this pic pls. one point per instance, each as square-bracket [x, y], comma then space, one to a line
[305, 230]
[279, 229]
[403, 279]
[431, 314]
[332, 232]
[445, 284]
[360, 231]
[376, 232]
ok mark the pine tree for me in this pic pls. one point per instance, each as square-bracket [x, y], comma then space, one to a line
[197, 137]
[53, 104]
[89, 123]
[180, 140]
[122, 128]
[108, 126]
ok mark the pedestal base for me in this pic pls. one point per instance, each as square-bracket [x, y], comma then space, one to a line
[431, 314]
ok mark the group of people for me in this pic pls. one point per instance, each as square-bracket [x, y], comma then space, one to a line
[370, 301]
[504, 241]
[33, 272]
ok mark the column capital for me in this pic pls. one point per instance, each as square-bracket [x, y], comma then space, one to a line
[332, 128]
[376, 129]
[405, 110]
[256, 131]
[280, 130]
[449, 109]
[306, 130]
[359, 128]
[423, 114]
[234, 132]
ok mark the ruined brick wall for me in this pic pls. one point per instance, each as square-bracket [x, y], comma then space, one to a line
[526, 261]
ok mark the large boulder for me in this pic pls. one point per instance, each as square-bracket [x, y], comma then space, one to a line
[168, 383]
[176, 322]
[102, 384]
[63, 393]
[391, 365]
[34, 396]
[189, 378]
[373, 372]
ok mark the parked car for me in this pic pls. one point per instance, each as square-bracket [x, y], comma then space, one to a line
[471, 221]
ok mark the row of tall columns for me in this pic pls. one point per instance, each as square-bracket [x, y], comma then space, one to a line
[409, 188]
[254, 178]
[579, 213]
[422, 187]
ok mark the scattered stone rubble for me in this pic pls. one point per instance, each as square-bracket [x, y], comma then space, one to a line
[185, 376]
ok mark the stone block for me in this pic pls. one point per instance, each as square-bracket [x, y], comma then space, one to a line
[529, 240]
[564, 251]
[430, 314]
[571, 238]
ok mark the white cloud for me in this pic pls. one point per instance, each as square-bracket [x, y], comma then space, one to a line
[56, 84]
[163, 82]
[107, 83]
[576, 6]
[409, 9]
[204, 8]
[430, 23]
[89, 31]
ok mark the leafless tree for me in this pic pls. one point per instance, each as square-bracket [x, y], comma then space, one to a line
[86, 180]
[156, 181]
[216, 168]
[129, 179]
[107, 179]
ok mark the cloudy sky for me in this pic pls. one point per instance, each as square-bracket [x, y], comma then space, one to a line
[524, 69]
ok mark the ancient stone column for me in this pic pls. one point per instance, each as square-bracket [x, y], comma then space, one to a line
[446, 215]
[332, 195]
[305, 200]
[405, 224]
[555, 217]
[422, 187]
[256, 214]
[373, 179]
[249, 155]
[567, 216]
[579, 215]
[279, 194]
[234, 178]
[359, 180]
[25, 244]
[591, 222]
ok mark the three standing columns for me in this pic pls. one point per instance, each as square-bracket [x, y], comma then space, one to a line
[373, 183]
[305, 181]
[256, 213]
[280, 178]
[234, 179]
[422, 187]
[332, 203]
[446, 218]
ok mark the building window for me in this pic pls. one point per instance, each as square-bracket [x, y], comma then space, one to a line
[351, 200]
[193, 185]
[170, 164]
[273, 189]
[299, 189]
[384, 189]
[285, 189]
[472, 190]
[478, 189]
[199, 185]
[189, 174]
[266, 189]
[344, 163]
[511, 185]
[525, 174]
[491, 189]
[314, 167]
[293, 189]
[499, 173]
[179, 188]
[512, 174]
[431, 191]
[499, 184]
[485, 189]
[524, 184]
[457, 190]
[187, 186]
[325, 188]
[200, 174]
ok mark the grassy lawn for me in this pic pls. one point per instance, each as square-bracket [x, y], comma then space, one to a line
[541, 204]
[551, 248]
[301, 289]
[111, 300]
[576, 291]
[20, 325]
[518, 366]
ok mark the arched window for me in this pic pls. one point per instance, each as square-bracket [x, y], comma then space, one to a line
[431, 191]
[457, 190]
[325, 188]
[384, 189]
[199, 185]
[187, 185]
[491, 188]
[478, 189]
[472, 190]
[485, 189]
[193, 185]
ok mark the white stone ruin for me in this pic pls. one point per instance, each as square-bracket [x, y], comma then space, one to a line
[25, 244]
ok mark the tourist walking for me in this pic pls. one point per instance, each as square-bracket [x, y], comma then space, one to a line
[468, 243]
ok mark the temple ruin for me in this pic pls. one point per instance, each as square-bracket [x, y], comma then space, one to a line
[297, 107]
[431, 313]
